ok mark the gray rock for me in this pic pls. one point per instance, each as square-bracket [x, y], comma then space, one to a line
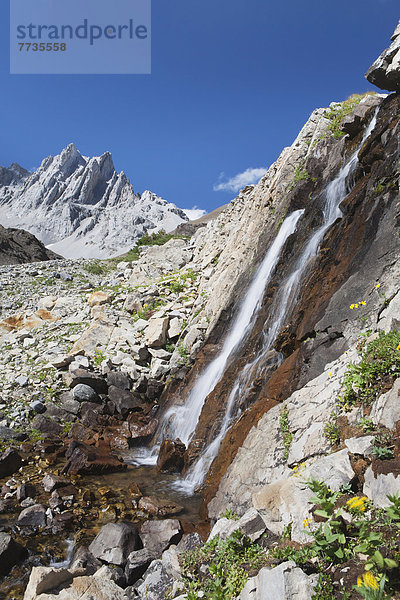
[38, 407]
[361, 445]
[68, 403]
[157, 536]
[83, 559]
[156, 582]
[10, 462]
[377, 487]
[335, 470]
[284, 582]
[190, 541]
[45, 579]
[32, 517]
[84, 393]
[26, 490]
[22, 380]
[156, 332]
[11, 553]
[251, 524]
[51, 482]
[137, 564]
[385, 71]
[115, 542]
[386, 409]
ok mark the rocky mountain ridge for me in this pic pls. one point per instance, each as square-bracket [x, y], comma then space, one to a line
[81, 207]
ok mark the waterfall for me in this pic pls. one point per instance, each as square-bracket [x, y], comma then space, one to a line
[181, 421]
[283, 303]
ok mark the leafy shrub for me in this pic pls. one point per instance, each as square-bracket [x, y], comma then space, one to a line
[380, 358]
[228, 562]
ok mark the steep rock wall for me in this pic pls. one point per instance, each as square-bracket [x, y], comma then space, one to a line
[358, 253]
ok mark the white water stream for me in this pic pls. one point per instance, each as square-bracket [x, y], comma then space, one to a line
[284, 301]
[181, 421]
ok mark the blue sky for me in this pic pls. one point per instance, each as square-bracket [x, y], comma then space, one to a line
[232, 82]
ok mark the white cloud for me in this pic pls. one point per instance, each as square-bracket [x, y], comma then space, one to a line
[239, 181]
[194, 213]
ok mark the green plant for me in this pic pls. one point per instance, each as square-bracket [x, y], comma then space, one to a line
[95, 267]
[382, 452]
[364, 381]
[393, 510]
[230, 514]
[331, 430]
[227, 563]
[324, 590]
[98, 357]
[184, 354]
[337, 113]
[170, 347]
[370, 588]
[300, 174]
[35, 435]
[287, 435]
[367, 425]
[383, 447]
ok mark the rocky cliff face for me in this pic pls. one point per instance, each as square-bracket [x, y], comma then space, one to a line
[18, 246]
[385, 72]
[81, 207]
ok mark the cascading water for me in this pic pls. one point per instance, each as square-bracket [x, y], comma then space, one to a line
[284, 301]
[181, 421]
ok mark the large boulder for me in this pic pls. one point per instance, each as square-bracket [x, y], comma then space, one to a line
[32, 517]
[83, 459]
[124, 400]
[137, 564]
[157, 536]
[156, 332]
[115, 542]
[10, 462]
[11, 553]
[385, 72]
[45, 579]
[157, 582]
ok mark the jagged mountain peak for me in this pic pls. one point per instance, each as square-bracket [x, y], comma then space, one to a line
[81, 206]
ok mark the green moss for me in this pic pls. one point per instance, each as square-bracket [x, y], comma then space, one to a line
[337, 113]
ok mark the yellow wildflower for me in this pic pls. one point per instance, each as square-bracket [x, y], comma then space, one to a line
[368, 580]
[398, 347]
[351, 306]
[356, 306]
[357, 503]
[330, 374]
[378, 285]
[363, 302]
[306, 523]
